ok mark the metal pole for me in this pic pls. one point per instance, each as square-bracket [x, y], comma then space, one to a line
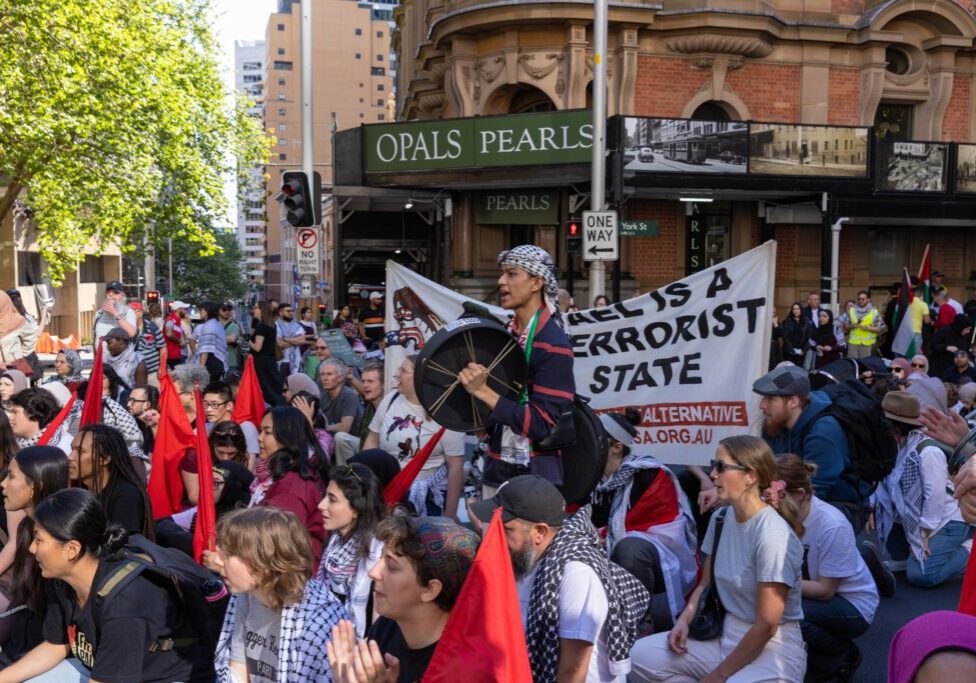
[307, 87]
[169, 243]
[598, 163]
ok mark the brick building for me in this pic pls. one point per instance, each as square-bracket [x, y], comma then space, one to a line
[839, 79]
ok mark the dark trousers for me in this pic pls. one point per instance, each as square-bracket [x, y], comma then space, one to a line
[829, 628]
[692, 487]
[639, 557]
[214, 367]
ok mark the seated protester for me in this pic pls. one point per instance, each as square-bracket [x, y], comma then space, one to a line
[649, 528]
[34, 474]
[916, 516]
[210, 341]
[580, 611]
[935, 647]
[320, 352]
[351, 509]
[297, 382]
[278, 621]
[100, 462]
[527, 286]
[920, 365]
[298, 471]
[120, 637]
[946, 342]
[67, 369]
[143, 401]
[416, 583]
[967, 399]
[309, 405]
[11, 382]
[383, 465]
[401, 427]
[961, 367]
[839, 594]
[218, 404]
[227, 443]
[757, 572]
[791, 424]
[112, 385]
[8, 521]
[341, 405]
[30, 412]
[123, 358]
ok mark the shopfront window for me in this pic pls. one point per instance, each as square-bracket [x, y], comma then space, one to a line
[888, 252]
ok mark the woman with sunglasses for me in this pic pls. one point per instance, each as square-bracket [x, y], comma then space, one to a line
[320, 353]
[757, 573]
[351, 509]
[920, 365]
[227, 442]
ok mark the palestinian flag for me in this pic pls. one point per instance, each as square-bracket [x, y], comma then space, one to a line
[904, 341]
[925, 276]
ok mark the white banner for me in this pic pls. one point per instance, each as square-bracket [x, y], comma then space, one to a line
[684, 355]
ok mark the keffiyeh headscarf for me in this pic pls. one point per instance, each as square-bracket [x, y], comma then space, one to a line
[73, 360]
[537, 262]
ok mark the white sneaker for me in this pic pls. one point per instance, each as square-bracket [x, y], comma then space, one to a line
[895, 565]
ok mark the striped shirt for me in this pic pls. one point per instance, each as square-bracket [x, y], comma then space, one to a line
[149, 342]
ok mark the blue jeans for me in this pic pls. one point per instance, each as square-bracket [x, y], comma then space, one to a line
[947, 558]
[828, 629]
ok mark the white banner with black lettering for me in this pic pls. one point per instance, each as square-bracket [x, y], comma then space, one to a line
[684, 355]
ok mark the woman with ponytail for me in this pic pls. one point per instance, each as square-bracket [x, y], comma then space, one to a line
[123, 633]
[839, 595]
[757, 574]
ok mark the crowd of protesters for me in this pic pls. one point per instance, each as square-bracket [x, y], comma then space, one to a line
[334, 557]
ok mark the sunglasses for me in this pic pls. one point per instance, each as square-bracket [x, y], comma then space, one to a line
[918, 365]
[722, 467]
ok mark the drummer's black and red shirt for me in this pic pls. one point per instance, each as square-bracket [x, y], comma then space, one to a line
[551, 387]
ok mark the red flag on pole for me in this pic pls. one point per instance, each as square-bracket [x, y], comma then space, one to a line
[397, 489]
[249, 404]
[205, 531]
[967, 600]
[173, 436]
[91, 413]
[483, 640]
[57, 421]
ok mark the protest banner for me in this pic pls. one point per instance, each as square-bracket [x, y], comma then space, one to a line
[685, 355]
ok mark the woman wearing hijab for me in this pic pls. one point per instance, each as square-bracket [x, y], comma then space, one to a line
[13, 332]
[11, 382]
[824, 341]
[67, 369]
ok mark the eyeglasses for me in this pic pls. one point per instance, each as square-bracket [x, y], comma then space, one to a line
[138, 400]
[722, 467]
[214, 404]
[918, 365]
[321, 348]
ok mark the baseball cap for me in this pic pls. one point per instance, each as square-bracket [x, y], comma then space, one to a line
[789, 380]
[117, 333]
[136, 306]
[373, 296]
[114, 284]
[229, 305]
[528, 497]
[177, 304]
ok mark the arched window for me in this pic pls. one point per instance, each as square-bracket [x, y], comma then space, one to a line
[711, 111]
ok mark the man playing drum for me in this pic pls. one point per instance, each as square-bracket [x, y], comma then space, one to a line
[527, 286]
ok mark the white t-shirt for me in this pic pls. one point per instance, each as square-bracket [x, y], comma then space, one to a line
[583, 611]
[404, 429]
[832, 552]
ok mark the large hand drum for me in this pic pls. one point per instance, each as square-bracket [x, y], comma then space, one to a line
[467, 340]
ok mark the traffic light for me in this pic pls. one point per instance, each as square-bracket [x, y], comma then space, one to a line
[152, 296]
[574, 235]
[302, 199]
[322, 313]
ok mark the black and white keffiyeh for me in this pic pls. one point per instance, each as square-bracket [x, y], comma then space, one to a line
[340, 560]
[577, 541]
[536, 261]
[621, 480]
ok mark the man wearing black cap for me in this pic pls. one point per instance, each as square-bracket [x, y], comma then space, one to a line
[791, 425]
[580, 610]
[114, 312]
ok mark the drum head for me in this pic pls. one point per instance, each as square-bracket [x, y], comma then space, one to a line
[839, 371]
[585, 460]
[468, 340]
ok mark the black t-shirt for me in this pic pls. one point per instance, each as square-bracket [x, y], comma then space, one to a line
[373, 321]
[124, 505]
[413, 663]
[270, 339]
[953, 375]
[116, 648]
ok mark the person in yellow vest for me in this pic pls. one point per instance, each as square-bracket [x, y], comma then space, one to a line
[866, 323]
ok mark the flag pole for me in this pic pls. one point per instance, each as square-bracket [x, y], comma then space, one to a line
[925, 256]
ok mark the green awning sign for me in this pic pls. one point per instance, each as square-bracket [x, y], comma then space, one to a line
[638, 228]
[516, 207]
[556, 137]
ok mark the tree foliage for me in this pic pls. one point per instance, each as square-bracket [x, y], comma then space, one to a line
[114, 123]
[202, 276]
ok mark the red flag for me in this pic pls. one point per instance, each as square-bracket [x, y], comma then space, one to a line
[483, 640]
[397, 489]
[163, 357]
[91, 413]
[205, 531]
[249, 404]
[967, 600]
[57, 421]
[173, 436]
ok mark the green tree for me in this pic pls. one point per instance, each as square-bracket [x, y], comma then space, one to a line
[204, 276]
[114, 124]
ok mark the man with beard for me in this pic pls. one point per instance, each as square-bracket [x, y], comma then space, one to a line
[791, 425]
[580, 610]
[291, 336]
[114, 312]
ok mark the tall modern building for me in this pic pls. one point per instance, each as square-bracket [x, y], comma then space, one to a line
[252, 213]
[352, 84]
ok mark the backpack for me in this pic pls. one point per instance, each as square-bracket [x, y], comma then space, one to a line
[870, 441]
[198, 592]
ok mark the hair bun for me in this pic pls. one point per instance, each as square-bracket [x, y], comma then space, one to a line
[113, 540]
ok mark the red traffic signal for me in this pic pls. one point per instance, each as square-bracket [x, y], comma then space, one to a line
[152, 296]
[302, 198]
[573, 229]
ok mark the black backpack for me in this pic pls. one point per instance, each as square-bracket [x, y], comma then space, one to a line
[870, 441]
[199, 593]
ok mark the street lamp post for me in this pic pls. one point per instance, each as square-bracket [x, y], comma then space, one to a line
[598, 162]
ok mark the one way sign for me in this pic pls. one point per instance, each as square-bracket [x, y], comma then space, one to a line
[600, 236]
